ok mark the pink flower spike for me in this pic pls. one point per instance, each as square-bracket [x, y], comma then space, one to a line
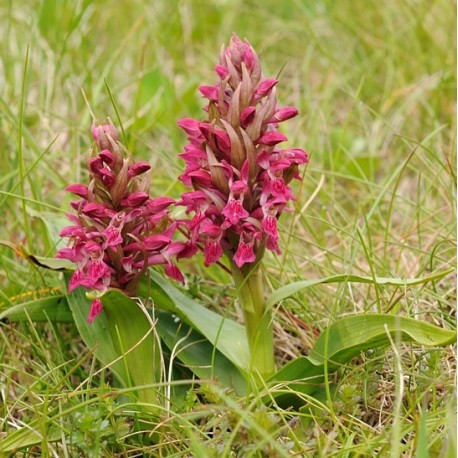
[95, 311]
[272, 138]
[78, 189]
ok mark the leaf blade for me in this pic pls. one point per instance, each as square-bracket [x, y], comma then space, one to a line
[293, 288]
[225, 334]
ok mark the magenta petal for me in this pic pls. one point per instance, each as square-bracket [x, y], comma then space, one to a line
[107, 156]
[190, 126]
[138, 168]
[76, 280]
[244, 254]
[95, 164]
[285, 113]
[135, 199]
[222, 141]
[127, 263]
[210, 92]
[264, 87]
[234, 211]
[247, 116]
[96, 309]
[272, 244]
[159, 203]
[78, 189]
[112, 237]
[96, 210]
[221, 71]
[173, 272]
[269, 224]
[272, 138]
[212, 252]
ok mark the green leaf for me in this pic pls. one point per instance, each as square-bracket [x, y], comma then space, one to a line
[45, 262]
[53, 308]
[132, 332]
[52, 263]
[122, 338]
[96, 336]
[293, 288]
[225, 334]
[197, 353]
[347, 338]
[26, 437]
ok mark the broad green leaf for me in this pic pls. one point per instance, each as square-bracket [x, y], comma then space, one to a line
[351, 335]
[52, 263]
[225, 334]
[53, 308]
[26, 437]
[197, 353]
[348, 337]
[293, 288]
[53, 223]
[134, 341]
[96, 336]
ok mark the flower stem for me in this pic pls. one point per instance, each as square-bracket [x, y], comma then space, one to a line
[258, 320]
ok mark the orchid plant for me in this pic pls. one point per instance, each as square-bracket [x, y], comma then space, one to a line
[239, 177]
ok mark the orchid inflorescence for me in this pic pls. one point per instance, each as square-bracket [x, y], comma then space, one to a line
[238, 172]
[119, 230]
[234, 164]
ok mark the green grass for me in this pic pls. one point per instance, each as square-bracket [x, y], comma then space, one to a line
[375, 84]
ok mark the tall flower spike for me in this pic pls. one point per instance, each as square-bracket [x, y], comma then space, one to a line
[235, 155]
[118, 230]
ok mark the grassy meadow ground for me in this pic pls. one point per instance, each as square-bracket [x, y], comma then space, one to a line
[375, 85]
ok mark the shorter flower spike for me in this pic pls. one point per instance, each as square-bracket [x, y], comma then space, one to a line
[118, 230]
[238, 172]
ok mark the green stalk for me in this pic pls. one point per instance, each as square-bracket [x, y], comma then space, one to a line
[258, 320]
